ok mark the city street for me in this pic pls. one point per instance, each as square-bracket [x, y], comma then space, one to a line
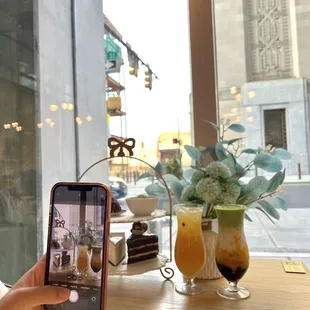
[288, 238]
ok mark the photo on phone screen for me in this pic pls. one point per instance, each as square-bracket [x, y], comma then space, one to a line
[77, 240]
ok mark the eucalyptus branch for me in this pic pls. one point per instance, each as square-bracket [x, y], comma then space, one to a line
[236, 149]
[261, 197]
[223, 132]
[246, 169]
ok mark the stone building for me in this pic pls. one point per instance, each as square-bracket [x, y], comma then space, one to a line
[263, 68]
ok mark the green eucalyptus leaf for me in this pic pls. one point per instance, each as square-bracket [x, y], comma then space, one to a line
[236, 128]
[170, 178]
[177, 188]
[213, 125]
[230, 162]
[282, 154]
[249, 151]
[156, 190]
[255, 187]
[145, 175]
[283, 176]
[210, 150]
[282, 203]
[267, 215]
[268, 163]
[274, 182]
[193, 152]
[159, 168]
[269, 209]
[220, 151]
[239, 168]
[247, 218]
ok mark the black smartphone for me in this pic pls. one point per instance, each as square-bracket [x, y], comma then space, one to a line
[77, 247]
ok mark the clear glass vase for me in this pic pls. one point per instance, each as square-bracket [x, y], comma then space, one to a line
[232, 254]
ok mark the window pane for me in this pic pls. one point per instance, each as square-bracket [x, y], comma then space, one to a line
[51, 74]
[263, 83]
[275, 128]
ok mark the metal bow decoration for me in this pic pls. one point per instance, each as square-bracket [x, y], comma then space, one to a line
[116, 144]
[60, 223]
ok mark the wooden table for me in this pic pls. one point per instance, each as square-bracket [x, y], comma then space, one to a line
[271, 288]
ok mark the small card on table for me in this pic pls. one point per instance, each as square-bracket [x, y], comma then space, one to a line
[292, 266]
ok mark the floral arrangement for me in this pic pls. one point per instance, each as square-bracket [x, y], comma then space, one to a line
[87, 236]
[219, 181]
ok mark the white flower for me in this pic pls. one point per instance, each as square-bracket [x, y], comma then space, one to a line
[230, 192]
[209, 190]
[197, 176]
[188, 193]
[218, 170]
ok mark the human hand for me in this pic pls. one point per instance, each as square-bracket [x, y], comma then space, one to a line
[29, 292]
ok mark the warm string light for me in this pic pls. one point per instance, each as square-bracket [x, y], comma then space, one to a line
[48, 120]
[238, 97]
[251, 94]
[40, 125]
[53, 108]
[249, 109]
[233, 90]
[234, 110]
[79, 121]
[89, 118]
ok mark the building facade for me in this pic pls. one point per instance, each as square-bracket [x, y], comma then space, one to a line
[53, 115]
[263, 72]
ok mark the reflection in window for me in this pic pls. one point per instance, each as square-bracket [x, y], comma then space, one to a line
[275, 128]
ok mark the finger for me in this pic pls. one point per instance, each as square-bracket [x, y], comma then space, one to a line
[30, 297]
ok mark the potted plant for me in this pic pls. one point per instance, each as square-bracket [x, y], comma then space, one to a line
[220, 181]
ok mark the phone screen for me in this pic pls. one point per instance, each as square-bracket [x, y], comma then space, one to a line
[76, 250]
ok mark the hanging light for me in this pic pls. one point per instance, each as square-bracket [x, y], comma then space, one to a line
[53, 107]
[64, 106]
[48, 120]
[70, 106]
[40, 125]
[238, 97]
[252, 94]
[233, 90]
[89, 118]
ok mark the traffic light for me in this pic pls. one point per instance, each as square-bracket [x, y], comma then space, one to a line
[134, 70]
[148, 79]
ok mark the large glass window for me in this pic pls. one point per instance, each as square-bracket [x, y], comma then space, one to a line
[53, 118]
[263, 83]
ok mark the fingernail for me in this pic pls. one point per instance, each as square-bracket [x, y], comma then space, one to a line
[63, 293]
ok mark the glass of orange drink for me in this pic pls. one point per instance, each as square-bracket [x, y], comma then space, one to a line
[189, 247]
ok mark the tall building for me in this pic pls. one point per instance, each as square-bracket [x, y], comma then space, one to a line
[53, 115]
[263, 72]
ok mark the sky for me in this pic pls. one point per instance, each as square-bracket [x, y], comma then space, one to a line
[159, 32]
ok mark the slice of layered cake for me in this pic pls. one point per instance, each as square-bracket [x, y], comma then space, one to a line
[141, 246]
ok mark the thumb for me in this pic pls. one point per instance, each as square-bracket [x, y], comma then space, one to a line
[29, 297]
